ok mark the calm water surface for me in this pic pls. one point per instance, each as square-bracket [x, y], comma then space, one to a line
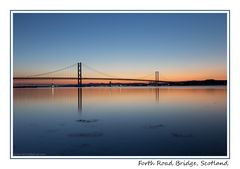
[174, 121]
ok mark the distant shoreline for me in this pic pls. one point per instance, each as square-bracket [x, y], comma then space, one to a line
[209, 82]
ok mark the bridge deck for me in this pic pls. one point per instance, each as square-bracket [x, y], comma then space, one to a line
[85, 78]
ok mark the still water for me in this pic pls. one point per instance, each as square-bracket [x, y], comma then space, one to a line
[136, 121]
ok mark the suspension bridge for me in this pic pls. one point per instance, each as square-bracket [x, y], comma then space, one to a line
[77, 76]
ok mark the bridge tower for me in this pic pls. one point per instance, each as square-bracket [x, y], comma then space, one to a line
[156, 77]
[79, 71]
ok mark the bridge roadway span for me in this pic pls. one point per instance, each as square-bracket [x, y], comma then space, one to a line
[84, 78]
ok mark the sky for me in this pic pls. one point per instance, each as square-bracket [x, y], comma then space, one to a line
[181, 46]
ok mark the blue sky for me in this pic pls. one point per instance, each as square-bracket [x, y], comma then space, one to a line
[180, 45]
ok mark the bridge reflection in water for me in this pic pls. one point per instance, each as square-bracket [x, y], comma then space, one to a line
[157, 94]
[80, 96]
[80, 100]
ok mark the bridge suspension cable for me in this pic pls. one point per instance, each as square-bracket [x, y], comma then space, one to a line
[95, 70]
[71, 72]
[54, 71]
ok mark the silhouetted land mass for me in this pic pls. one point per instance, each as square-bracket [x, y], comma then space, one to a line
[208, 82]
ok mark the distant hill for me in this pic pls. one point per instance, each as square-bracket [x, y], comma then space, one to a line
[208, 82]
